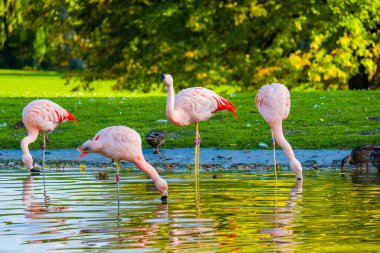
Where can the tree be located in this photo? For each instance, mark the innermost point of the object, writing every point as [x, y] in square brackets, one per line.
[317, 44]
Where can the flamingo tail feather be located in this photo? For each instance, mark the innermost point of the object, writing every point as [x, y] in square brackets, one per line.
[224, 104]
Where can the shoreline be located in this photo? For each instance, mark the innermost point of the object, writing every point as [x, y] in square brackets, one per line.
[183, 157]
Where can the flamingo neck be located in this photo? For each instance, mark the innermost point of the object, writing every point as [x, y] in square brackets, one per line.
[30, 138]
[26, 156]
[278, 134]
[170, 114]
[147, 168]
[280, 139]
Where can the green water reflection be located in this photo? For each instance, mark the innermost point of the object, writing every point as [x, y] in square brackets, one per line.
[236, 212]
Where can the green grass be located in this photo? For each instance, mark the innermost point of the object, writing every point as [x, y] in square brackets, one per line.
[317, 120]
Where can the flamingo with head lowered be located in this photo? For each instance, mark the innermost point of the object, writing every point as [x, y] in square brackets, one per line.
[273, 103]
[44, 116]
[193, 105]
[123, 143]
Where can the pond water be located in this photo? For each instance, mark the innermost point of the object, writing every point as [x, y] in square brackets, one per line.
[240, 211]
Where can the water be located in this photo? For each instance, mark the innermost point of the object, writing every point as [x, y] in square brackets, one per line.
[239, 211]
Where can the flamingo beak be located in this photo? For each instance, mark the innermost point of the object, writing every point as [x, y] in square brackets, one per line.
[162, 77]
[82, 152]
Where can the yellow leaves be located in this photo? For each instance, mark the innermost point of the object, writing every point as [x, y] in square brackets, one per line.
[266, 71]
[299, 60]
[370, 67]
[152, 70]
[318, 40]
[298, 25]
[330, 72]
[192, 54]
[316, 78]
[239, 18]
[376, 50]
[345, 40]
[195, 24]
[189, 67]
[257, 10]
[201, 76]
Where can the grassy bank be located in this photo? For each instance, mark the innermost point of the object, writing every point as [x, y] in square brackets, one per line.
[318, 120]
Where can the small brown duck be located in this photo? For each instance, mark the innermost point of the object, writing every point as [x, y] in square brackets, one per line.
[363, 154]
[155, 138]
[376, 160]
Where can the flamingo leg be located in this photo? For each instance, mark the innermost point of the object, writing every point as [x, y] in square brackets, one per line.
[43, 161]
[118, 188]
[197, 143]
[366, 167]
[274, 158]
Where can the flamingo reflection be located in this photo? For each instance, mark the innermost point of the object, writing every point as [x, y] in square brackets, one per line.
[37, 209]
[283, 218]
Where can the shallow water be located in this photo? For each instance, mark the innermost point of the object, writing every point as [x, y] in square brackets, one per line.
[239, 211]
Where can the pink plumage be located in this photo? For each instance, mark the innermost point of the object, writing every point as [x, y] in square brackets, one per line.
[122, 143]
[273, 103]
[40, 115]
[193, 105]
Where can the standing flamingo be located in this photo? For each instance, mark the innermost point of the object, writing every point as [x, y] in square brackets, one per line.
[40, 115]
[123, 143]
[193, 105]
[273, 103]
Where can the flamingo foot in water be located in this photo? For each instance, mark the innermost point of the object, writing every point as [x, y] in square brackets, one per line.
[164, 199]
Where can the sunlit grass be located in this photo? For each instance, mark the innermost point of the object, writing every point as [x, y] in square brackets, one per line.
[318, 120]
[22, 83]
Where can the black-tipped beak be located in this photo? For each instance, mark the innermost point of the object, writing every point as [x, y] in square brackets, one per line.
[164, 199]
[162, 77]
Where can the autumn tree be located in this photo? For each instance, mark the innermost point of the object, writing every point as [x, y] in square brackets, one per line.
[317, 44]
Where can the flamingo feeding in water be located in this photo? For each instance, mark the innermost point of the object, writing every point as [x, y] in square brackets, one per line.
[273, 103]
[123, 143]
[193, 105]
[44, 116]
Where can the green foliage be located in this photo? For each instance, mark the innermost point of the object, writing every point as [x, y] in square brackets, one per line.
[315, 45]
[319, 45]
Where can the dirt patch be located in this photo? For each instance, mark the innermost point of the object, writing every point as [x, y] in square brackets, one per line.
[372, 132]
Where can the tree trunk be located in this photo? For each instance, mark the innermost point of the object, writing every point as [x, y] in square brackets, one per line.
[359, 81]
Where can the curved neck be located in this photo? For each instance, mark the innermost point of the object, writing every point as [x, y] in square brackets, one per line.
[280, 139]
[30, 138]
[147, 168]
[170, 102]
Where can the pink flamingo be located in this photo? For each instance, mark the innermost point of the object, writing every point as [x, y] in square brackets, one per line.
[273, 103]
[193, 105]
[40, 115]
[123, 143]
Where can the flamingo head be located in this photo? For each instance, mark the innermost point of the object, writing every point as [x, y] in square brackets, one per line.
[296, 167]
[28, 161]
[83, 149]
[161, 186]
[167, 79]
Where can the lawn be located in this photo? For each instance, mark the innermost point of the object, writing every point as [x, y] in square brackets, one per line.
[317, 120]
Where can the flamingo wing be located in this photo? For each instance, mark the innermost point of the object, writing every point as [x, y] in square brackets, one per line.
[118, 143]
[199, 104]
